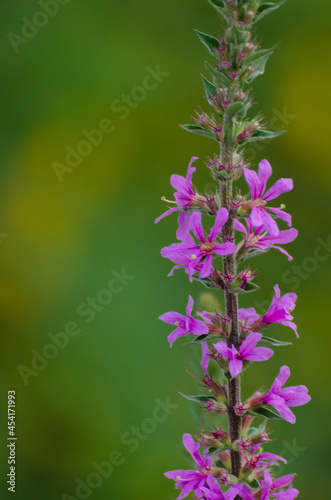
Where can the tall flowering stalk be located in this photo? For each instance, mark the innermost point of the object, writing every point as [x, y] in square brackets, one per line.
[229, 460]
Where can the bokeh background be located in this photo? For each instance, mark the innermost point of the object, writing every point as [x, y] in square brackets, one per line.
[61, 242]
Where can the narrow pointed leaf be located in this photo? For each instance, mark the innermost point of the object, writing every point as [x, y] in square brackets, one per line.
[263, 135]
[275, 342]
[266, 8]
[219, 6]
[263, 411]
[259, 66]
[219, 75]
[205, 338]
[208, 41]
[210, 88]
[198, 399]
[195, 129]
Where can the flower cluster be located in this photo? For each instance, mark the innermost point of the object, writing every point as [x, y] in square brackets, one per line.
[217, 232]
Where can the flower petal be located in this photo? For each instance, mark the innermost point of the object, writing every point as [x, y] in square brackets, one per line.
[226, 248]
[221, 218]
[281, 186]
[205, 357]
[223, 349]
[196, 226]
[253, 182]
[249, 343]
[265, 172]
[235, 366]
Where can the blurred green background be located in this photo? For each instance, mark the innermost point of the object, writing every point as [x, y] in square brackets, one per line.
[61, 242]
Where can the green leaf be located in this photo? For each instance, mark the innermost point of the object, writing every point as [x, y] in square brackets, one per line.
[254, 483]
[263, 411]
[253, 431]
[263, 135]
[275, 342]
[208, 41]
[210, 88]
[250, 287]
[214, 451]
[236, 35]
[259, 65]
[219, 75]
[220, 8]
[205, 338]
[195, 129]
[266, 8]
[198, 399]
[235, 108]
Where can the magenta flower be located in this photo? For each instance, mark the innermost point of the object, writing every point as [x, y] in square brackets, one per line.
[261, 240]
[282, 399]
[184, 324]
[247, 352]
[262, 459]
[269, 487]
[198, 257]
[279, 310]
[193, 480]
[257, 185]
[215, 492]
[186, 194]
[247, 317]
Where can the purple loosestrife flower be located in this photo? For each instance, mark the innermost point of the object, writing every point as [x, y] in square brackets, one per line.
[269, 487]
[261, 459]
[184, 324]
[257, 185]
[186, 194]
[279, 310]
[261, 240]
[282, 399]
[247, 352]
[190, 255]
[215, 492]
[193, 480]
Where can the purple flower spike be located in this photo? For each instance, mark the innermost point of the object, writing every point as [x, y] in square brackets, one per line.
[258, 238]
[279, 310]
[186, 192]
[282, 399]
[247, 352]
[257, 185]
[193, 480]
[269, 487]
[185, 324]
[198, 257]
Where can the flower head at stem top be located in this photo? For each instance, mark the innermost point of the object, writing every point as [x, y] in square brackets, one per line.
[247, 352]
[282, 399]
[199, 256]
[257, 185]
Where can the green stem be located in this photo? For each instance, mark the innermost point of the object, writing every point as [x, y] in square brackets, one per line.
[231, 299]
